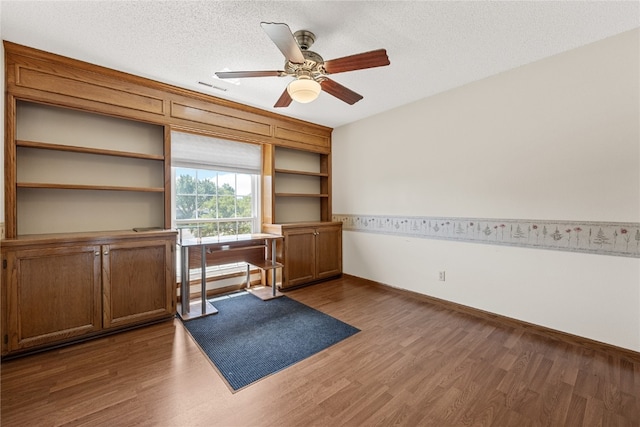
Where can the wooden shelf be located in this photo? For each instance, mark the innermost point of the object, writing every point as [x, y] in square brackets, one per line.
[86, 150]
[297, 185]
[301, 195]
[88, 187]
[296, 172]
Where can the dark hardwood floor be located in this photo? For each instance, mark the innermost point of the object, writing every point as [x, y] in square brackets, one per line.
[414, 363]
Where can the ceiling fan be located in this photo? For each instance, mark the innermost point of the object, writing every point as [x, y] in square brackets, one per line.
[308, 68]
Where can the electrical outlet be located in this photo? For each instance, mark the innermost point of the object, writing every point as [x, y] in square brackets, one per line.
[442, 276]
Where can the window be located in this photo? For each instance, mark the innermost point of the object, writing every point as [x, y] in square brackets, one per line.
[210, 203]
[215, 186]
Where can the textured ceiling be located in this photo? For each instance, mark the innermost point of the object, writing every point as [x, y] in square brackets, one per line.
[433, 46]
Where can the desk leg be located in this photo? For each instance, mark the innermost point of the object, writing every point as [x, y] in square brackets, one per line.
[203, 289]
[184, 281]
[205, 308]
[273, 270]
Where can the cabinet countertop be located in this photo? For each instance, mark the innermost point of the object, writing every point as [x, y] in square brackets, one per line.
[302, 224]
[96, 237]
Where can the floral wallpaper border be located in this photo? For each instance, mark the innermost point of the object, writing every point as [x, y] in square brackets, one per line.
[603, 238]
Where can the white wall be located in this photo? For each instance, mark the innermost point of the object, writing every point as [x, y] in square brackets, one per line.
[2, 133]
[558, 139]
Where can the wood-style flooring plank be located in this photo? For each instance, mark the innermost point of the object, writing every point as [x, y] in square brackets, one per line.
[415, 363]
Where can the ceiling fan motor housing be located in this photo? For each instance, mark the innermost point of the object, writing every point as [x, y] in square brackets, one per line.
[313, 66]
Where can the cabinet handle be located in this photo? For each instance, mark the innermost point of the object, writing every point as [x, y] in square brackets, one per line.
[105, 253]
[97, 253]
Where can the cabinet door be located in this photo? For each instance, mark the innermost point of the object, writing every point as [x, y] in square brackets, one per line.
[299, 250]
[53, 295]
[138, 282]
[328, 251]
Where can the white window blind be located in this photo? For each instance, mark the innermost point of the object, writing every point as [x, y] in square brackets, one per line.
[205, 152]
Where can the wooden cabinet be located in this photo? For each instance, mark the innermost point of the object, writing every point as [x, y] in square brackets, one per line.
[138, 281]
[57, 80]
[297, 205]
[61, 289]
[53, 294]
[328, 250]
[74, 180]
[310, 251]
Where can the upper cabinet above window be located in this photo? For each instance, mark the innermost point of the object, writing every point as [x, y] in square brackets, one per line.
[48, 78]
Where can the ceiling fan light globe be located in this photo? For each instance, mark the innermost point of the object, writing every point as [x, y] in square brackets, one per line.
[304, 90]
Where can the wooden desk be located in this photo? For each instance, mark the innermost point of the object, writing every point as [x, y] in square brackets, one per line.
[251, 248]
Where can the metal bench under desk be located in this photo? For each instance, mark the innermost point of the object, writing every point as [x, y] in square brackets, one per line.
[263, 292]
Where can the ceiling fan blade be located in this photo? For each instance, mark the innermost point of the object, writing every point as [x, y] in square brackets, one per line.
[284, 100]
[240, 74]
[359, 61]
[284, 40]
[340, 92]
